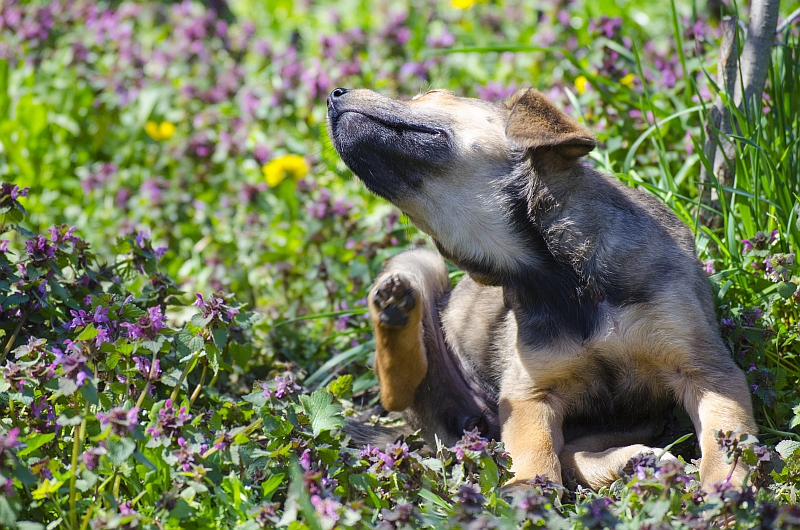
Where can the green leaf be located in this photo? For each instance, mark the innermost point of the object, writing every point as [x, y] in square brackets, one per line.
[220, 336]
[490, 475]
[66, 386]
[62, 293]
[796, 418]
[342, 387]
[749, 456]
[213, 357]
[181, 511]
[119, 450]
[24, 475]
[9, 508]
[786, 289]
[35, 442]
[200, 321]
[132, 312]
[271, 485]
[240, 353]
[191, 341]
[787, 448]
[89, 393]
[88, 333]
[29, 525]
[430, 496]
[154, 345]
[323, 414]
[112, 359]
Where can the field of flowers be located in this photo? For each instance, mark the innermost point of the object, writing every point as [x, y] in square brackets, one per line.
[184, 259]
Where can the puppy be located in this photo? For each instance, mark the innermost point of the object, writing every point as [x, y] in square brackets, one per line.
[584, 312]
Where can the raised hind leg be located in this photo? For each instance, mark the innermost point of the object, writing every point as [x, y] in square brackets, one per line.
[402, 298]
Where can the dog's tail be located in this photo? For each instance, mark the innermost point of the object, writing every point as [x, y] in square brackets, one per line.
[379, 436]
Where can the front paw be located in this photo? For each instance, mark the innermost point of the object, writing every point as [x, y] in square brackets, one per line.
[393, 299]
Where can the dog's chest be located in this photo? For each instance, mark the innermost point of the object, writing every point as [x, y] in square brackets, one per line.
[610, 394]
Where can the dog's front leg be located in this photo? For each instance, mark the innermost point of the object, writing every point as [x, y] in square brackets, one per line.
[717, 399]
[531, 423]
[722, 410]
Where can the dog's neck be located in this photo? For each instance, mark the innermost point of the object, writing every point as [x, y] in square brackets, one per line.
[537, 203]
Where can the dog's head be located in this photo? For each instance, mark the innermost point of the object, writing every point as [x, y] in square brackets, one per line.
[457, 166]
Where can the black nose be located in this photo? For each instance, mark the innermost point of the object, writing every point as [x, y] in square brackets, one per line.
[336, 94]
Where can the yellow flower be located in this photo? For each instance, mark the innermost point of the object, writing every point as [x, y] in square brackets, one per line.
[160, 131]
[292, 166]
[627, 80]
[580, 84]
[462, 4]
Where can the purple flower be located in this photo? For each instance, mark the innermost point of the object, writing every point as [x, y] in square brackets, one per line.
[285, 386]
[759, 241]
[494, 91]
[470, 499]
[119, 419]
[72, 363]
[11, 191]
[147, 326]
[414, 70]
[90, 456]
[143, 366]
[152, 188]
[778, 267]
[168, 422]
[671, 474]
[471, 442]
[185, 454]
[708, 267]
[40, 249]
[599, 512]
[305, 460]
[141, 238]
[9, 440]
[341, 207]
[126, 509]
[326, 507]
[606, 26]
[102, 337]
[222, 440]
[99, 178]
[215, 308]
[79, 318]
[444, 40]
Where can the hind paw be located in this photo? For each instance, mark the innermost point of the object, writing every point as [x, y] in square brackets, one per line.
[394, 299]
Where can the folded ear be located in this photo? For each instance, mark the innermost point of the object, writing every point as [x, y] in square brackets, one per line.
[535, 122]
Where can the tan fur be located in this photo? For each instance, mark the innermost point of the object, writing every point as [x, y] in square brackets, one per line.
[476, 163]
[400, 358]
[600, 468]
[400, 362]
[535, 122]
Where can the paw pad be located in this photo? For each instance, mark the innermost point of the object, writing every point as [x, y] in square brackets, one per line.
[394, 300]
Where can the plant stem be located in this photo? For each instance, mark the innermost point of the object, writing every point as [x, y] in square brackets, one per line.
[13, 337]
[147, 383]
[186, 369]
[199, 385]
[77, 439]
